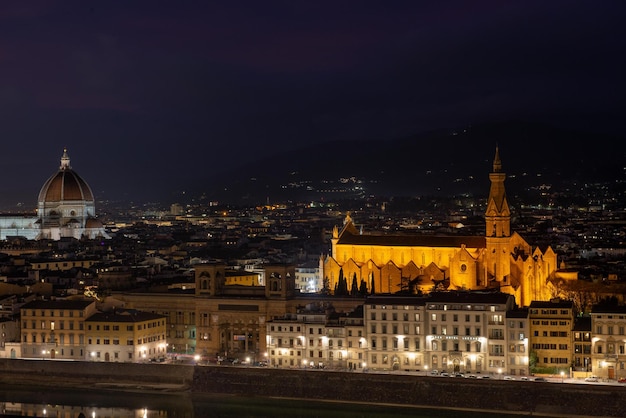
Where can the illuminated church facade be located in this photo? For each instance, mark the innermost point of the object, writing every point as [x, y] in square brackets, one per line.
[65, 209]
[501, 260]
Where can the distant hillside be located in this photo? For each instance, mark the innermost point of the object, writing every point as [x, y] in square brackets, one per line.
[431, 163]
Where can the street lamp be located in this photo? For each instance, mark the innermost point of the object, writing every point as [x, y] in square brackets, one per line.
[562, 375]
[499, 373]
[426, 370]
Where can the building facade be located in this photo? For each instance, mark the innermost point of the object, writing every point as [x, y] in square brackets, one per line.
[551, 327]
[124, 335]
[395, 335]
[55, 329]
[608, 355]
[518, 339]
[500, 260]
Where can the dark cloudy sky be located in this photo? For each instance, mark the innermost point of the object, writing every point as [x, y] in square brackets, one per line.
[149, 95]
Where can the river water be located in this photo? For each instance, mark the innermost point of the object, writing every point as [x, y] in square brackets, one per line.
[47, 402]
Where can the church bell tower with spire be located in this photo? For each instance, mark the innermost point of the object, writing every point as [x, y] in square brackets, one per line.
[497, 228]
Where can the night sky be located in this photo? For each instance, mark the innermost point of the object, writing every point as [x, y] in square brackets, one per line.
[149, 96]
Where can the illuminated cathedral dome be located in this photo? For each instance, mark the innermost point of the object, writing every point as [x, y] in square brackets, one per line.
[66, 206]
[65, 185]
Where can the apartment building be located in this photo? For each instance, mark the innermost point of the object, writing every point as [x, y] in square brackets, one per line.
[518, 333]
[582, 344]
[356, 351]
[466, 331]
[55, 329]
[394, 333]
[298, 340]
[608, 355]
[551, 325]
[126, 335]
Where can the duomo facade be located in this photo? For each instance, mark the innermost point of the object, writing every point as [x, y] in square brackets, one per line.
[500, 260]
[65, 209]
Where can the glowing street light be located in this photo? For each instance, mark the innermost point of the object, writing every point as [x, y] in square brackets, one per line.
[562, 375]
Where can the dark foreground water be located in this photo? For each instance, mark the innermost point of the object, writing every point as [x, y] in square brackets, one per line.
[71, 403]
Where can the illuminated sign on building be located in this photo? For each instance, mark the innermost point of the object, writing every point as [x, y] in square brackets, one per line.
[455, 337]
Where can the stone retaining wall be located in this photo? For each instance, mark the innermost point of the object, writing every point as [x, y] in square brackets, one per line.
[554, 399]
[68, 373]
[525, 397]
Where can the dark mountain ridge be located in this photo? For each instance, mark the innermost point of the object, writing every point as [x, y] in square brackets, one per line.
[444, 162]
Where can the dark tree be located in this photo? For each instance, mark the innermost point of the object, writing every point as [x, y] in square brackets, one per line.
[354, 290]
[342, 286]
[363, 288]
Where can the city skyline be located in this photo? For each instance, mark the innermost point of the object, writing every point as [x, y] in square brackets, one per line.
[148, 99]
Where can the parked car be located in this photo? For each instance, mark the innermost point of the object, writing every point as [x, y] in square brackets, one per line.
[591, 379]
[434, 372]
[539, 379]
[621, 380]
[508, 378]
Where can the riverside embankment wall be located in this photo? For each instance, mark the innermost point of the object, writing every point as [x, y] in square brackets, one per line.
[555, 399]
[69, 373]
[536, 398]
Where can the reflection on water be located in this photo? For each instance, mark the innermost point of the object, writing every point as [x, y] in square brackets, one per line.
[71, 403]
[12, 409]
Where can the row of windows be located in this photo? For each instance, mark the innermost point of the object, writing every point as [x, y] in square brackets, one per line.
[43, 338]
[556, 360]
[44, 325]
[405, 360]
[71, 338]
[116, 355]
[559, 334]
[440, 307]
[455, 317]
[610, 329]
[71, 325]
[51, 313]
[107, 341]
[551, 323]
[610, 348]
[394, 316]
[110, 327]
[550, 346]
[550, 312]
[395, 343]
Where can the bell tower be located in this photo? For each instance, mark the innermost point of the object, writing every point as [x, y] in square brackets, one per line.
[497, 227]
[210, 278]
[280, 281]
